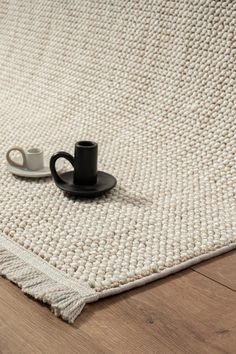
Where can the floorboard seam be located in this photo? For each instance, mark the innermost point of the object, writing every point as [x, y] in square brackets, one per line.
[206, 276]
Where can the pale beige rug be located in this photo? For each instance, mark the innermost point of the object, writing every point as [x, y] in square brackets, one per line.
[154, 83]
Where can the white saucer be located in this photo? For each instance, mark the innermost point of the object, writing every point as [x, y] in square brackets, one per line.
[44, 172]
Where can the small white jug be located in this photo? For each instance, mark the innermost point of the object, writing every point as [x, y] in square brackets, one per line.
[32, 159]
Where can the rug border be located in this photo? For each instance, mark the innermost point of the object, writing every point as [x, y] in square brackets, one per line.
[65, 295]
[37, 278]
[168, 271]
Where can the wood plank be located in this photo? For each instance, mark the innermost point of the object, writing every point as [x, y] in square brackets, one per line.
[185, 313]
[221, 269]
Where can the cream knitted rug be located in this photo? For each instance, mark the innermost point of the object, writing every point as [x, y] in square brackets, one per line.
[154, 83]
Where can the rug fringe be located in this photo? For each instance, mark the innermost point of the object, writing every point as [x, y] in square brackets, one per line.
[64, 302]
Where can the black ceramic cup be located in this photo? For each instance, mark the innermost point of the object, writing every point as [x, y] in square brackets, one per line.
[84, 180]
[84, 163]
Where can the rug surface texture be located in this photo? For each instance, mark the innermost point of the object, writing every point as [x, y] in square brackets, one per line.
[154, 83]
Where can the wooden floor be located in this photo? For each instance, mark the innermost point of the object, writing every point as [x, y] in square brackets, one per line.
[191, 312]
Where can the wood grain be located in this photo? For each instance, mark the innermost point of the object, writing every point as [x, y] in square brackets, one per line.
[184, 313]
[221, 269]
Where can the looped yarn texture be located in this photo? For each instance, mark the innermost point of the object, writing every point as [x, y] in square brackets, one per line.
[153, 82]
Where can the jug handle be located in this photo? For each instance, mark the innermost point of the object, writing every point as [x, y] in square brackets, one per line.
[54, 158]
[13, 163]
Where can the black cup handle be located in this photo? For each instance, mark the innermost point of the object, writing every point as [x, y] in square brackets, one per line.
[53, 160]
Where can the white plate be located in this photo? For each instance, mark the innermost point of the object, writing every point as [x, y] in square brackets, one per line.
[44, 172]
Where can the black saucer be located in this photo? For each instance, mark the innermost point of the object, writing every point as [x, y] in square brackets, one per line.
[105, 182]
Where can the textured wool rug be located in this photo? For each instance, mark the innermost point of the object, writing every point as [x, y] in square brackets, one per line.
[154, 83]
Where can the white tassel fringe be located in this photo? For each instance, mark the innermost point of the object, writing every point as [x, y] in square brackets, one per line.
[64, 302]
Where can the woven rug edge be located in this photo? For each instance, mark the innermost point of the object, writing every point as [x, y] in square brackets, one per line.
[168, 271]
[65, 296]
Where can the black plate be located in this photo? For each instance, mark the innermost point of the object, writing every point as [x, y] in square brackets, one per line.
[105, 182]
